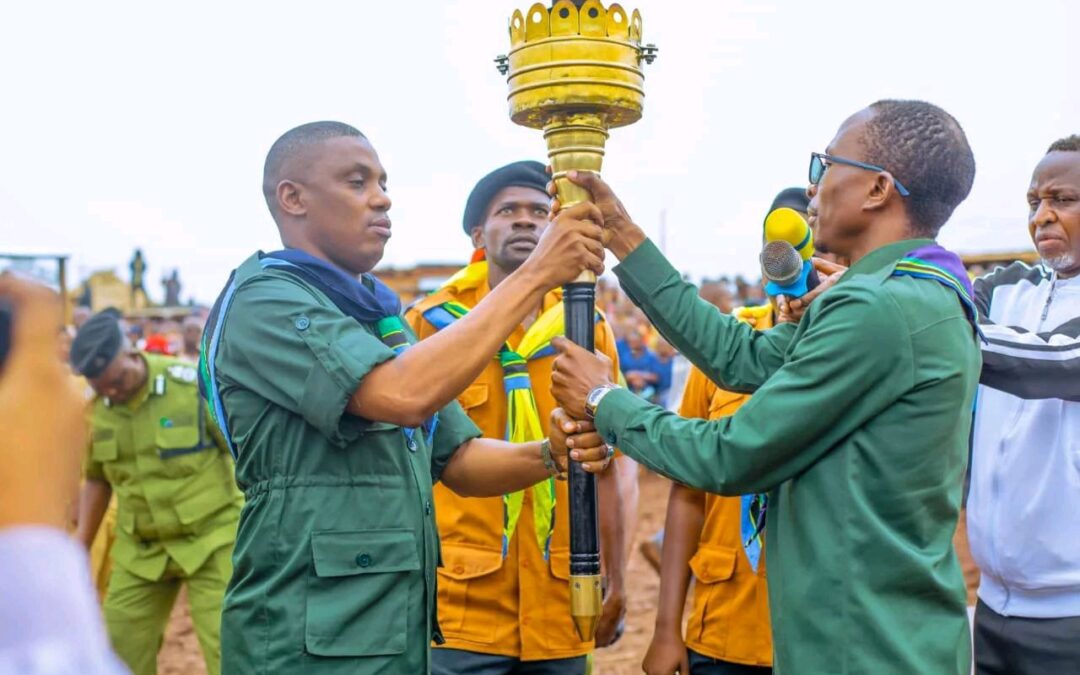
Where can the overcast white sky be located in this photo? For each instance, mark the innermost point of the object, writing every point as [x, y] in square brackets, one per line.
[132, 124]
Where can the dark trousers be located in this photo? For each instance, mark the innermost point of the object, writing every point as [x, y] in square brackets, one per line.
[707, 665]
[460, 662]
[1011, 645]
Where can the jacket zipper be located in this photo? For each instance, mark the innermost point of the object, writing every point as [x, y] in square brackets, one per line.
[997, 473]
[1049, 298]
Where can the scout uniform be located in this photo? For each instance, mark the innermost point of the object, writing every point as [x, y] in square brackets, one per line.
[337, 545]
[503, 586]
[729, 616]
[859, 427]
[177, 509]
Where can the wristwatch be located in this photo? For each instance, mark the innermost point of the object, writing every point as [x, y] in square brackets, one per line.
[592, 401]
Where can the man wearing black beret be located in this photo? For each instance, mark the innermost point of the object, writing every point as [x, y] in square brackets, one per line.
[178, 504]
[504, 601]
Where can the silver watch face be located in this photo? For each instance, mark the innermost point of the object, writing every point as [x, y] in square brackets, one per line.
[594, 397]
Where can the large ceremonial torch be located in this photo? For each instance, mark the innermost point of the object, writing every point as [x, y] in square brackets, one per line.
[575, 72]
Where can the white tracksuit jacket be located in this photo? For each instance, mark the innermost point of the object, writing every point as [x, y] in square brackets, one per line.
[1023, 509]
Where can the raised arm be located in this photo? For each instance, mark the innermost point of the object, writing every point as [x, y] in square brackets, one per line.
[443, 365]
[1023, 363]
[729, 352]
[855, 356]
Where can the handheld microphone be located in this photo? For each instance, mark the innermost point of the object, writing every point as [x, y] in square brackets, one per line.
[786, 259]
[788, 274]
[786, 224]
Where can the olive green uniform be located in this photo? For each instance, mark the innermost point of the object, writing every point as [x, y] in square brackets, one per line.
[337, 546]
[177, 511]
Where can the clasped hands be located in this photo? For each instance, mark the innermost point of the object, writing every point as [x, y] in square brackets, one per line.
[577, 371]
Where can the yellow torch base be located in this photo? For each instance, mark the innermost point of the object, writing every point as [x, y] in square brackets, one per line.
[586, 603]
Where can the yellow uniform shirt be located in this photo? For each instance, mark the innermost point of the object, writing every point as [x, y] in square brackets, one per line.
[730, 615]
[516, 606]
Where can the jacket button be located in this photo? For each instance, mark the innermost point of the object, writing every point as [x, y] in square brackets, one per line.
[412, 445]
[363, 560]
[302, 323]
[458, 569]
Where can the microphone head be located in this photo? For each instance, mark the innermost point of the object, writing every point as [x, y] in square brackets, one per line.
[786, 224]
[781, 263]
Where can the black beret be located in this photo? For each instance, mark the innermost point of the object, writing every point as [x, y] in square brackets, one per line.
[527, 173]
[792, 198]
[97, 343]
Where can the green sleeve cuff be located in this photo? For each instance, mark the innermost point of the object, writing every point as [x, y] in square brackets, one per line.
[455, 428]
[615, 410]
[645, 270]
[345, 358]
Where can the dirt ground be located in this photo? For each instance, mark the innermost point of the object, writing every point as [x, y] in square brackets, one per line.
[180, 654]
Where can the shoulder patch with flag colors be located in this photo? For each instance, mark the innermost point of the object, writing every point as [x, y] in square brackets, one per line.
[945, 267]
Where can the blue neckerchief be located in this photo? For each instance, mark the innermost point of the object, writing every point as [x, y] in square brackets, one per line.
[351, 295]
[369, 305]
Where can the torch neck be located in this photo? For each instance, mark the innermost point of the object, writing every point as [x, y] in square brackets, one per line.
[574, 141]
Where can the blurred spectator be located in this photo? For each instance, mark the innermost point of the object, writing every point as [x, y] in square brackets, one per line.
[191, 331]
[79, 315]
[640, 366]
[719, 294]
[665, 357]
[158, 343]
[135, 331]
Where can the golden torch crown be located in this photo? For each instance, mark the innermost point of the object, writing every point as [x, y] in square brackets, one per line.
[575, 71]
[586, 59]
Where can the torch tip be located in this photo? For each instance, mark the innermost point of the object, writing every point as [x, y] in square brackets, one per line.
[586, 603]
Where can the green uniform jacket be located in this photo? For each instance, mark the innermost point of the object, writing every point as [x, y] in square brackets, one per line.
[858, 426]
[170, 470]
[334, 565]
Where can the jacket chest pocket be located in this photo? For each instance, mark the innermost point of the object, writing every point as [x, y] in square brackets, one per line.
[358, 600]
[180, 448]
[172, 440]
[104, 451]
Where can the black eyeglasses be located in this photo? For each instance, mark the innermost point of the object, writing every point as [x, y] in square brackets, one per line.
[819, 162]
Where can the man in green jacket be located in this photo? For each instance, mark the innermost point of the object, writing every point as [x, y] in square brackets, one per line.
[859, 422]
[154, 446]
[340, 424]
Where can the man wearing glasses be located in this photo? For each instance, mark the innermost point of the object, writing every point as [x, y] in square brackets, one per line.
[859, 422]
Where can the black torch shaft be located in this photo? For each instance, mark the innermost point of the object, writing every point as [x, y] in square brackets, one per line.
[579, 301]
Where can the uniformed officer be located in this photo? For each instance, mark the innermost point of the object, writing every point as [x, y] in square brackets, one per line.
[340, 424]
[153, 445]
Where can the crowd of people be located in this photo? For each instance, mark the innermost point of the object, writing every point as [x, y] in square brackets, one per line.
[346, 486]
